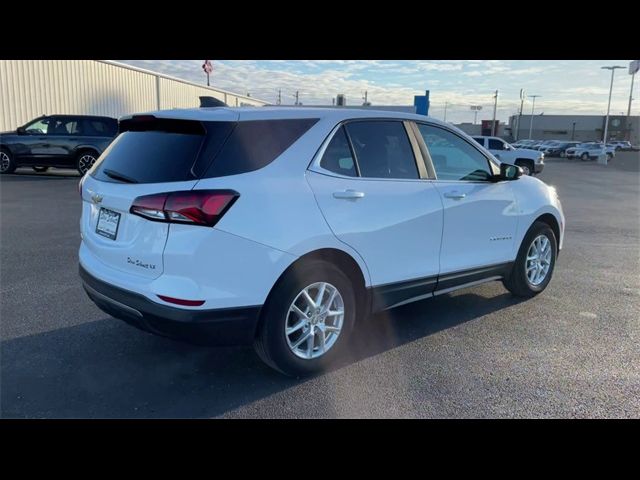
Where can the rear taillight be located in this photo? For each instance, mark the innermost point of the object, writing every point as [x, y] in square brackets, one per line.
[193, 207]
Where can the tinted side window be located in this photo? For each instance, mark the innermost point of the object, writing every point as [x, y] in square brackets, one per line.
[255, 144]
[382, 149]
[99, 127]
[337, 157]
[453, 158]
[495, 144]
[480, 141]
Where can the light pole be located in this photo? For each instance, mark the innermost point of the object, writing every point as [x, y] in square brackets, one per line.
[520, 114]
[533, 106]
[495, 107]
[475, 109]
[613, 68]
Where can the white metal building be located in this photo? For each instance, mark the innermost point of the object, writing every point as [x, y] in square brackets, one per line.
[30, 88]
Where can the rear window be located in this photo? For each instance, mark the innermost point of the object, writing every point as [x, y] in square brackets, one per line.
[152, 150]
[149, 157]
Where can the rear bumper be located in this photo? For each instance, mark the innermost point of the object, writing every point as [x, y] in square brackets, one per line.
[225, 326]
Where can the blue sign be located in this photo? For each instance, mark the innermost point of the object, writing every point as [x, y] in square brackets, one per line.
[421, 102]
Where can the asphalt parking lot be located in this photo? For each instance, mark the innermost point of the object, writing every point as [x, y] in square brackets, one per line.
[573, 351]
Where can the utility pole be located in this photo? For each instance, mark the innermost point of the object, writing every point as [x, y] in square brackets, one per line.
[495, 107]
[279, 102]
[297, 95]
[520, 113]
[445, 111]
[366, 102]
[633, 75]
[533, 106]
[606, 120]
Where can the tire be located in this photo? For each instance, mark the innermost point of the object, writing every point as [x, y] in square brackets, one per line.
[584, 157]
[40, 169]
[85, 160]
[609, 157]
[7, 163]
[526, 165]
[518, 282]
[279, 350]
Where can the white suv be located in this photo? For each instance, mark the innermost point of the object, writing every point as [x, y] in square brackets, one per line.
[286, 227]
[531, 161]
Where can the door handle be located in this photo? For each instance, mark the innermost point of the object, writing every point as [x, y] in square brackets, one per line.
[348, 194]
[455, 195]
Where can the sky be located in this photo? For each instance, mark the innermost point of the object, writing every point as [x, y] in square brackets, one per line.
[566, 87]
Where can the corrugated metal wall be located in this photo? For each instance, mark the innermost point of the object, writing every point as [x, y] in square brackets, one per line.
[29, 88]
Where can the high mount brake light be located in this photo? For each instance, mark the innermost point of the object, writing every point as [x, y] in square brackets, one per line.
[192, 207]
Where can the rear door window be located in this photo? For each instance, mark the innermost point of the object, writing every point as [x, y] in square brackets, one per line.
[337, 157]
[382, 149]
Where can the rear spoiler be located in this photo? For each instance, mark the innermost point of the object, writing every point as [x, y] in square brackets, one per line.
[206, 102]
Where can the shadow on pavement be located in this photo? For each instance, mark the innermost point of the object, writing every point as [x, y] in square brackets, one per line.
[107, 369]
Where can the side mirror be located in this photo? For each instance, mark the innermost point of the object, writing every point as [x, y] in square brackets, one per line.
[510, 172]
[21, 131]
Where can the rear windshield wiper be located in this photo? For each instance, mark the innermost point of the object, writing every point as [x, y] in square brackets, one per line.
[119, 176]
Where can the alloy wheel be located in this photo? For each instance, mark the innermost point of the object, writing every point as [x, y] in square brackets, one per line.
[314, 320]
[85, 163]
[538, 260]
[5, 163]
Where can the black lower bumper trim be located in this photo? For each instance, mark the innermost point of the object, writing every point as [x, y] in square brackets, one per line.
[225, 326]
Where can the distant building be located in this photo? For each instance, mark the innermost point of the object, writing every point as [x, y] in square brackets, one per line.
[484, 128]
[575, 127]
[30, 88]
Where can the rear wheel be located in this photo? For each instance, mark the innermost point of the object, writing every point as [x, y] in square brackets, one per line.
[40, 169]
[526, 165]
[7, 164]
[533, 268]
[85, 161]
[584, 157]
[609, 157]
[306, 319]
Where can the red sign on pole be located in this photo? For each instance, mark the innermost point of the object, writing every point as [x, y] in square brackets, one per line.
[207, 66]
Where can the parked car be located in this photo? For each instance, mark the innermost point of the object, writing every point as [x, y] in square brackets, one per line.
[621, 145]
[559, 149]
[588, 151]
[530, 161]
[522, 143]
[285, 227]
[62, 141]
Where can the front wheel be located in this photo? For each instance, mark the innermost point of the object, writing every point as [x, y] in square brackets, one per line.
[527, 167]
[306, 319]
[533, 268]
[85, 161]
[584, 157]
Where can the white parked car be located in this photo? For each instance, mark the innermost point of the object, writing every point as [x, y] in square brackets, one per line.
[590, 151]
[285, 227]
[530, 161]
